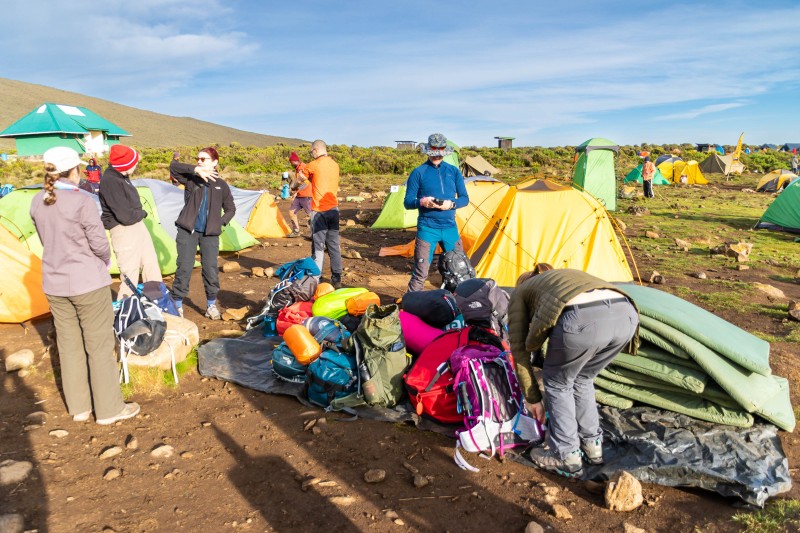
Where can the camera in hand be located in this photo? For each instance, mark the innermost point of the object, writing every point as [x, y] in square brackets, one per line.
[438, 201]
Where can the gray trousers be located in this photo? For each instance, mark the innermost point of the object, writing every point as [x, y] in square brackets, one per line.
[187, 244]
[325, 232]
[423, 256]
[583, 342]
[85, 339]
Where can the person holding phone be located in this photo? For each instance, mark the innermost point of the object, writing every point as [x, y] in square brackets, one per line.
[436, 189]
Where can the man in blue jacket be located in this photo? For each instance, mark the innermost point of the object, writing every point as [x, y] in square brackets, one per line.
[436, 189]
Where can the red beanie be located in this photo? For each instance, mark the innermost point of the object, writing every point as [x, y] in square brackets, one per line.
[294, 157]
[122, 158]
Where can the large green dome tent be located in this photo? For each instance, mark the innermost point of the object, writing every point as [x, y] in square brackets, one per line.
[783, 214]
[594, 170]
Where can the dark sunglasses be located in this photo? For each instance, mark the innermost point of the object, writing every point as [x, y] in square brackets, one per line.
[204, 159]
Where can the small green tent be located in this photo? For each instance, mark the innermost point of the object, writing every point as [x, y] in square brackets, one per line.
[783, 214]
[594, 170]
[394, 215]
[635, 175]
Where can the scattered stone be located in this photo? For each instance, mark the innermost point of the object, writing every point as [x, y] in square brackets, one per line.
[12, 523]
[111, 473]
[549, 499]
[374, 475]
[14, 471]
[699, 275]
[350, 223]
[111, 451]
[794, 310]
[638, 210]
[342, 500]
[187, 455]
[561, 512]
[205, 424]
[248, 292]
[651, 235]
[656, 278]
[269, 272]
[622, 227]
[630, 528]
[322, 421]
[231, 266]
[421, 481]
[316, 430]
[235, 314]
[37, 417]
[258, 272]
[162, 451]
[20, 359]
[683, 245]
[770, 291]
[391, 515]
[741, 267]
[59, 434]
[30, 427]
[365, 195]
[623, 492]
[327, 484]
[309, 424]
[534, 527]
[411, 468]
[351, 254]
[356, 199]
[551, 491]
[380, 194]
[132, 443]
[310, 482]
[399, 522]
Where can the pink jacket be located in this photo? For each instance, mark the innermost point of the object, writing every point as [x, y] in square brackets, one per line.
[75, 247]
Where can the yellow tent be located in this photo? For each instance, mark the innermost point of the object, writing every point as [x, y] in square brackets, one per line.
[21, 295]
[692, 172]
[266, 221]
[775, 181]
[544, 222]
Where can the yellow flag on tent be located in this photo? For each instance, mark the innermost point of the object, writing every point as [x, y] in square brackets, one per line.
[738, 152]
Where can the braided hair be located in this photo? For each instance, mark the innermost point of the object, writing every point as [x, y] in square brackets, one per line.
[50, 177]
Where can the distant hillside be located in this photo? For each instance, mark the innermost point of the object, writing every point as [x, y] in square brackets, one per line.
[148, 129]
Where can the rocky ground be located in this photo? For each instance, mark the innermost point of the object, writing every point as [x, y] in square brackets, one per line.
[209, 455]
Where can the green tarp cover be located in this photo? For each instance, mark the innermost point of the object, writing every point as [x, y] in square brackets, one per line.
[707, 328]
[687, 404]
[677, 375]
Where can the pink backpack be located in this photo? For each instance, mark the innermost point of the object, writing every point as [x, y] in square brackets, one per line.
[491, 401]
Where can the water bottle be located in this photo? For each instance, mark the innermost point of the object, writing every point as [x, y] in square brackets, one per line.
[368, 386]
[269, 326]
[285, 191]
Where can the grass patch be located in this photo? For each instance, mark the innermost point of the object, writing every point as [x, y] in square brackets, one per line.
[777, 516]
[151, 381]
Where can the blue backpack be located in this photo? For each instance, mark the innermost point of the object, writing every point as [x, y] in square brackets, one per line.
[331, 376]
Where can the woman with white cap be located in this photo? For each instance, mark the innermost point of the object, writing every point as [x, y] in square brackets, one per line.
[75, 260]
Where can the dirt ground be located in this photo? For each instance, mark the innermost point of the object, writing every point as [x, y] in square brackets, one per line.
[242, 457]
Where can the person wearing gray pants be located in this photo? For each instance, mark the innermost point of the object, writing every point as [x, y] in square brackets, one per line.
[586, 322]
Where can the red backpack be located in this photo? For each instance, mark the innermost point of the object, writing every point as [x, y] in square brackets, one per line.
[429, 381]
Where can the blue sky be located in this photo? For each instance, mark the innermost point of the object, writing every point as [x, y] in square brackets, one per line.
[370, 73]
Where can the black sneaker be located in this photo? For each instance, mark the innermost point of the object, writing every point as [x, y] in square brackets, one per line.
[336, 281]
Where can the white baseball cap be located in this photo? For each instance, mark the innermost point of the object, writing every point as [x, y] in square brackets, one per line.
[63, 157]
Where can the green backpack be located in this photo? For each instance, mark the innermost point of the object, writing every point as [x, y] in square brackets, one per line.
[381, 358]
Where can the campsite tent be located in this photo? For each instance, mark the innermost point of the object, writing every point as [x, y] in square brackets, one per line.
[776, 180]
[665, 164]
[21, 297]
[508, 230]
[477, 166]
[783, 214]
[258, 213]
[394, 215]
[52, 125]
[691, 170]
[594, 170]
[721, 164]
[635, 175]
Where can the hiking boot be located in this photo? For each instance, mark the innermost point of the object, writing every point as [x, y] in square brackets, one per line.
[129, 411]
[571, 466]
[294, 234]
[82, 417]
[213, 313]
[592, 450]
[336, 280]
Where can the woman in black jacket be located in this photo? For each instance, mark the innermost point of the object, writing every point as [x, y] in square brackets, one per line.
[208, 207]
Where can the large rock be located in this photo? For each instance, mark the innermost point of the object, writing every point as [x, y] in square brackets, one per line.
[14, 471]
[623, 492]
[770, 291]
[12, 523]
[794, 310]
[19, 360]
[181, 337]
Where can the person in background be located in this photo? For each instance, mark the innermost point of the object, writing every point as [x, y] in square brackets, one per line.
[436, 189]
[75, 279]
[208, 207]
[93, 173]
[794, 162]
[123, 217]
[302, 193]
[586, 322]
[176, 156]
[323, 174]
[648, 171]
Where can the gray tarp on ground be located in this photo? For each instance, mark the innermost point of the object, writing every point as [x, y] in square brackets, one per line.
[655, 446]
[678, 451]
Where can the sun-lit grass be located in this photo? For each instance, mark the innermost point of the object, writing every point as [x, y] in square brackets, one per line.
[777, 516]
[145, 381]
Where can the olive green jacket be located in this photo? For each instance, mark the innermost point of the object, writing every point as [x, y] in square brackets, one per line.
[534, 310]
